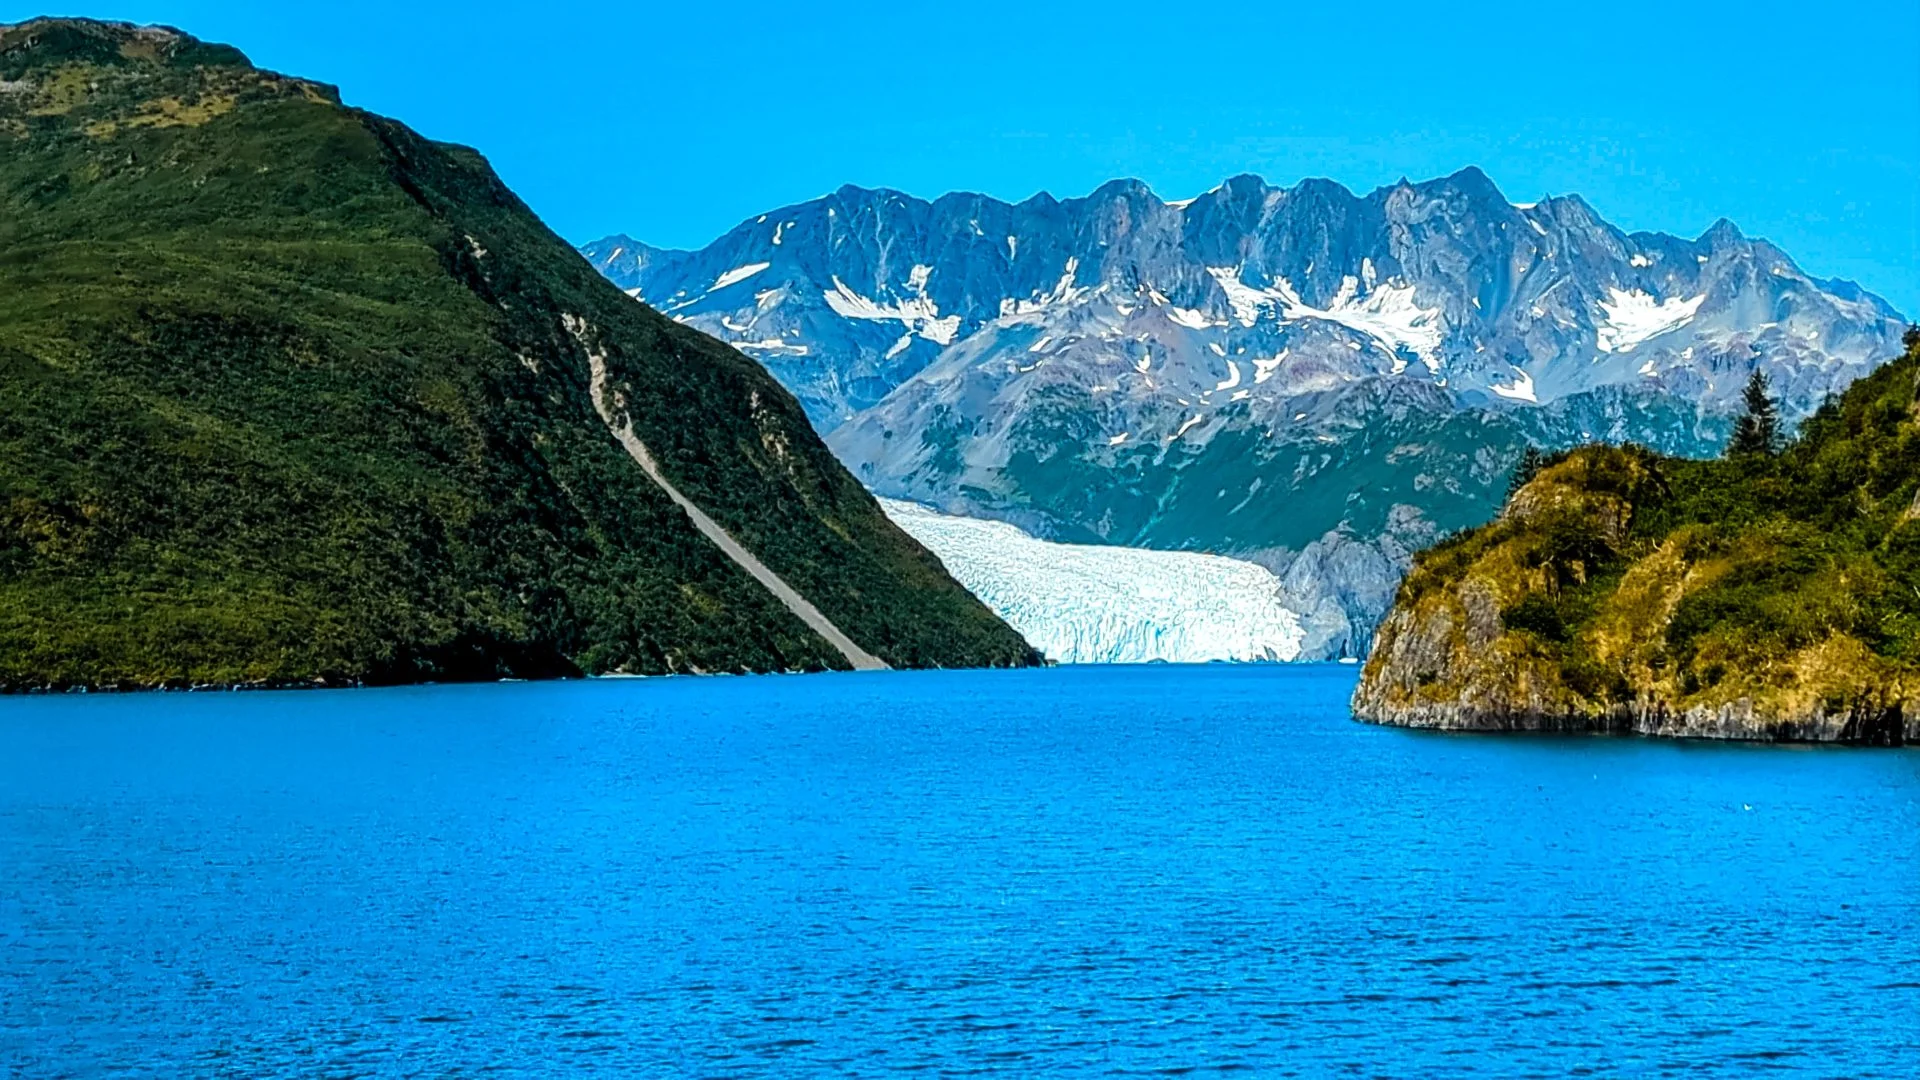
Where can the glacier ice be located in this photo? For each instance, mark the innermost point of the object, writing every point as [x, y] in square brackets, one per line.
[1086, 604]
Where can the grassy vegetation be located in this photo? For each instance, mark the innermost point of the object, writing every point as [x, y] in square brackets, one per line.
[286, 395]
[1785, 577]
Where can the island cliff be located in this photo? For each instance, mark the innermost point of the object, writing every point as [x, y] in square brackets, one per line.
[1770, 595]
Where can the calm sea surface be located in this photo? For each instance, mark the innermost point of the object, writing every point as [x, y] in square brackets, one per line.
[1068, 872]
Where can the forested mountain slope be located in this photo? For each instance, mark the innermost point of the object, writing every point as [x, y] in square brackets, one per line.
[290, 394]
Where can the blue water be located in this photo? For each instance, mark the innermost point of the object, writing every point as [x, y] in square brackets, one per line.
[1066, 872]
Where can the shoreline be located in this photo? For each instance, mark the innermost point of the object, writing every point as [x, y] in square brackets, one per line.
[1889, 730]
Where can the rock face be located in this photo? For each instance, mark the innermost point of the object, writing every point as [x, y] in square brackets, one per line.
[1256, 371]
[1622, 591]
[289, 394]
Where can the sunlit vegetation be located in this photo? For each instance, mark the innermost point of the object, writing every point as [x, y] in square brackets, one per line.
[1785, 573]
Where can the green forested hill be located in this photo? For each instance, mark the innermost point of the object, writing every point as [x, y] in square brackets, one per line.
[1765, 595]
[289, 393]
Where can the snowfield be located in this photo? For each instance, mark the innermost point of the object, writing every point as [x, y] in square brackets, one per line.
[1634, 317]
[1084, 604]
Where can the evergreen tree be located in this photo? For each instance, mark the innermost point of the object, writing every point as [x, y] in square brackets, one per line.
[1911, 339]
[1531, 462]
[1757, 431]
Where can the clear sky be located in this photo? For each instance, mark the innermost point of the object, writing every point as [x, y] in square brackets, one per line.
[673, 122]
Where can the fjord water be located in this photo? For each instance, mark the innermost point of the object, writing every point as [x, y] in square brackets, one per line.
[1069, 871]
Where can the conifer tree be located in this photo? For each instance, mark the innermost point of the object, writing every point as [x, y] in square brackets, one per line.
[1531, 462]
[1757, 431]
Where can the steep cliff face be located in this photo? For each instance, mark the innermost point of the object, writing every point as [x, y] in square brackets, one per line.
[1773, 598]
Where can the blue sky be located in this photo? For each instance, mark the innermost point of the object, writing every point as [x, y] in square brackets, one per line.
[674, 122]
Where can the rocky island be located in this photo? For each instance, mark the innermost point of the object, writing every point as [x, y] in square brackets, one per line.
[1773, 594]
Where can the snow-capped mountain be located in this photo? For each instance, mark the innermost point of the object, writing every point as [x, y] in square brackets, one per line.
[1312, 379]
[1101, 604]
[1445, 281]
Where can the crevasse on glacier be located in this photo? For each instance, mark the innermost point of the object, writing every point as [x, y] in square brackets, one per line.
[1084, 604]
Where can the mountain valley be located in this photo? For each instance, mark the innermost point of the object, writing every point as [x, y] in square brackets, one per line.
[1313, 380]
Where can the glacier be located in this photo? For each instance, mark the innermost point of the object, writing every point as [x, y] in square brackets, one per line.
[1089, 604]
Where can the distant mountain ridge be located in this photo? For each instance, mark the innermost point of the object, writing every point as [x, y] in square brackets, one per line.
[1486, 295]
[1308, 377]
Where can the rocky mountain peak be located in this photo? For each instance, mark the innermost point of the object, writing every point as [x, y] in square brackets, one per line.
[1722, 234]
[1444, 280]
[46, 43]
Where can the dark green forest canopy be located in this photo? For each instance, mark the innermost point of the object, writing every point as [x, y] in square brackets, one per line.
[288, 394]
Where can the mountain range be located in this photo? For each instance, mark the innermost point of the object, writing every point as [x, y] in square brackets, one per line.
[1318, 381]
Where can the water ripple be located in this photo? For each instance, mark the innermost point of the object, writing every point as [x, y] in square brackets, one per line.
[1128, 872]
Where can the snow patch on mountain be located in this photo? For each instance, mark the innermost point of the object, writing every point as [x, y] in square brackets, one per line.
[1385, 312]
[1263, 369]
[1191, 318]
[1520, 389]
[774, 345]
[1633, 316]
[1084, 604]
[1063, 292]
[920, 314]
[737, 274]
